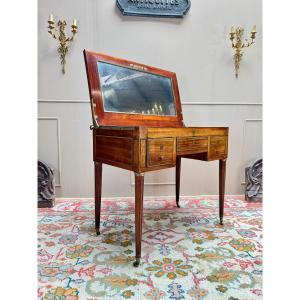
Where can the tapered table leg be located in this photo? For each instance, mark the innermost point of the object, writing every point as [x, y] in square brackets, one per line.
[139, 193]
[222, 174]
[178, 167]
[98, 186]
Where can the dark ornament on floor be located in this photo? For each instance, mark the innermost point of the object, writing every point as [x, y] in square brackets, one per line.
[46, 191]
[254, 181]
[154, 8]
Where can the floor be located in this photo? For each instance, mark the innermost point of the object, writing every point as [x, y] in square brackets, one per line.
[186, 254]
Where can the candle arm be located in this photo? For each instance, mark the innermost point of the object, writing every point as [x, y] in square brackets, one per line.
[70, 39]
[249, 43]
[52, 33]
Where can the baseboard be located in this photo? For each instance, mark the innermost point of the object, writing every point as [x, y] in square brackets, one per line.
[146, 197]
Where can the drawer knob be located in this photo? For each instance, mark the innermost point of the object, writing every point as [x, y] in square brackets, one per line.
[161, 157]
[193, 142]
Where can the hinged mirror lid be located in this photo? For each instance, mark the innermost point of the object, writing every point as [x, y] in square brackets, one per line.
[126, 93]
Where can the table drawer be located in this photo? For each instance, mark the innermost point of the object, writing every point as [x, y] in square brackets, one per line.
[190, 145]
[218, 147]
[161, 152]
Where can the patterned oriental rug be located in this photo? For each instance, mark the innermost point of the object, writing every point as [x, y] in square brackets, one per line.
[186, 253]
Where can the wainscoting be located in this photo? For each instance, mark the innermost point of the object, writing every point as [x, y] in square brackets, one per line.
[65, 142]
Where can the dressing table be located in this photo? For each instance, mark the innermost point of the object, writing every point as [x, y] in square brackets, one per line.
[138, 126]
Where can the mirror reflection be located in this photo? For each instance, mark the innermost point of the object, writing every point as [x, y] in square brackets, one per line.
[130, 91]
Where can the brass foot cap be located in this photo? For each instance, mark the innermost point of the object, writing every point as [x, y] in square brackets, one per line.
[136, 263]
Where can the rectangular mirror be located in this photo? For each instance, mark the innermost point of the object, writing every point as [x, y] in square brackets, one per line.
[130, 91]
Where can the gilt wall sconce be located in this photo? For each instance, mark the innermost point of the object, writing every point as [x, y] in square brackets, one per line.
[238, 44]
[58, 33]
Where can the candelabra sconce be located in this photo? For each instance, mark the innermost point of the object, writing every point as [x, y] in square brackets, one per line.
[237, 43]
[58, 33]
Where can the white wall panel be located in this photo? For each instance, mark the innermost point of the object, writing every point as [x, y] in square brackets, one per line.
[49, 145]
[252, 135]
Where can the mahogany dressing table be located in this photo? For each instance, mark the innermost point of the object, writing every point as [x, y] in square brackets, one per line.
[138, 126]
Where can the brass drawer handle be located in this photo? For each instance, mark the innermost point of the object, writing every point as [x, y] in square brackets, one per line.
[193, 142]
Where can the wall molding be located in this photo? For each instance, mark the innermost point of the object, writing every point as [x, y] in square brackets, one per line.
[182, 103]
[58, 145]
[131, 179]
[244, 134]
[244, 139]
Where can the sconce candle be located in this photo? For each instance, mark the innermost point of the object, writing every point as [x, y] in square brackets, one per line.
[63, 40]
[238, 45]
[253, 32]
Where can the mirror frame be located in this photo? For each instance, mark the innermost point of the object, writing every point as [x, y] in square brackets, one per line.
[104, 118]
